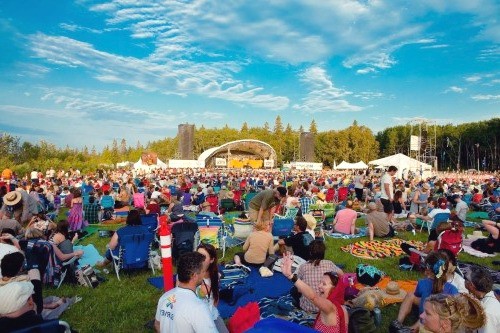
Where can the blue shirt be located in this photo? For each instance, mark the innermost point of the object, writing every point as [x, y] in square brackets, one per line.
[424, 290]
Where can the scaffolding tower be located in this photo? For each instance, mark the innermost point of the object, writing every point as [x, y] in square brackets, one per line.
[423, 137]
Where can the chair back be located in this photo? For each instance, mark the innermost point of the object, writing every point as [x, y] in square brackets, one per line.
[249, 198]
[342, 194]
[438, 219]
[138, 200]
[183, 234]
[210, 230]
[173, 189]
[242, 229]
[282, 227]
[213, 200]
[150, 221]
[227, 204]
[291, 212]
[134, 250]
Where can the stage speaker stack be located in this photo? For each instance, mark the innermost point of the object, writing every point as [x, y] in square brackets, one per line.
[186, 141]
[306, 147]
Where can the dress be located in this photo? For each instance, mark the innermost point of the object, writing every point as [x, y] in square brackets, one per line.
[75, 217]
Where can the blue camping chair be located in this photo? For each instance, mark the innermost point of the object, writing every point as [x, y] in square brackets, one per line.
[212, 230]
[134, 251]
[467, 198]
[438, 219]
[173, 189]
[50, 326]
[282, 227]
[150, 221]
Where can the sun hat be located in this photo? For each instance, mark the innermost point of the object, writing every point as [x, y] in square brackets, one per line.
[426, 186]
[12, 198]
[14, 296]
[321, 196]
[392, 290]
[311, 221]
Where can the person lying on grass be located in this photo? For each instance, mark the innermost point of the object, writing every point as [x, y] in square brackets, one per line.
[332, 316]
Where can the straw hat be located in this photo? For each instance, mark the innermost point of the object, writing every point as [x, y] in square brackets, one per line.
[321, 196]
[392, 290]
[230, 195]
[205, 204]
[426, 186]
[311, 221]
[12, 198]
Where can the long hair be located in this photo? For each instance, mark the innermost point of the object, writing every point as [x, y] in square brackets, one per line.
[437, 264]
[213, 270]
[462, 310]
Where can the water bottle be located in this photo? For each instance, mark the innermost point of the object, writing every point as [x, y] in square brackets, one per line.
[377, 317]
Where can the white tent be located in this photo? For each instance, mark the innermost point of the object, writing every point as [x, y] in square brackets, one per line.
[404, 164]
[346, 165]
[148, 167]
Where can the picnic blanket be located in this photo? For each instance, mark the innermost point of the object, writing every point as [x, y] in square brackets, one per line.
[254, 289]
[478, 215]
[362, 233]
[379, 249]
[90, 255]
[282, 307]
[466, 266]
[473, 252]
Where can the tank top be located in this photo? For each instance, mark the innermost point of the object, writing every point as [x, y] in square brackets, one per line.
[321, 327]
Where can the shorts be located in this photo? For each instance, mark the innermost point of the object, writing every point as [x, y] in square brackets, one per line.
[388, 206]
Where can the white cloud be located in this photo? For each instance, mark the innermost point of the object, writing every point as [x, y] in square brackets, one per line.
[365, 70]
[435, 46]
[486, 97]
[365, 33]
[455, 89]
[173, 76]
[367, 95]
[207, 115]
[473, 78]
[323, 95]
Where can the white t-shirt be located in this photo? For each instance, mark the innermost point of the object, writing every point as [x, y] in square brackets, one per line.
[358, 181]
[491, 308]
[386, 179]
[181, 311]
[461, 209]
[459, 283]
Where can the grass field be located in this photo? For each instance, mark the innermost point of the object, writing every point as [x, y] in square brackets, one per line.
[127, 305]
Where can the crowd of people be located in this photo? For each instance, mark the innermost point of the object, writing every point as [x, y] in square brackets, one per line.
[446, 300]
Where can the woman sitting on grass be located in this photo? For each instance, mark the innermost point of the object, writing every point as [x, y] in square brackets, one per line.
[435, 282]
[332, 316]
[313, 270]
[450, 314]
[133, 227]
[209, 288]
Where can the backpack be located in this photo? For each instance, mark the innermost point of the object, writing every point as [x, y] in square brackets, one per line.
[107, 214]
[361, 320]
[87, 277]
[450, 239]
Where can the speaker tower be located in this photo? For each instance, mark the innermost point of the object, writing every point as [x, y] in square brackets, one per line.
[186, 141]
[306, 147]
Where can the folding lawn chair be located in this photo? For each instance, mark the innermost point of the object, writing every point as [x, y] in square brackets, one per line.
[282, 227]
[150, 221]
[249, 198]
[438, 219]
[50, 326]
[183, 238]
[134, 251]
[211, 230]
[227, 205]
[342, 194]
[290, 213]
[67, 267]
[213, 200]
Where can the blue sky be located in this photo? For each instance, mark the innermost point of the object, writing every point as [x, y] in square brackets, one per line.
[86, 72]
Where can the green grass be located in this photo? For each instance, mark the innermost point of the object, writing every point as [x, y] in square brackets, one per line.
[127, 305]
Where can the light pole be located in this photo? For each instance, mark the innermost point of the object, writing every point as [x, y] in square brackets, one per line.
[477, 147]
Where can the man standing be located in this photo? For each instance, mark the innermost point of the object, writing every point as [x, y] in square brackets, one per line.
[263, 203]
[387, 191]
[180, 310]
[480, 283]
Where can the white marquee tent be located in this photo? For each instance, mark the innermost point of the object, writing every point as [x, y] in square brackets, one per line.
[404, 164]
[139, 165]
[346, 165]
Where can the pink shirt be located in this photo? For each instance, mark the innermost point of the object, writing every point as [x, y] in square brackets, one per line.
[344, 219]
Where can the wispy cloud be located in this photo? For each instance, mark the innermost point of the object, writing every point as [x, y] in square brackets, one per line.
[367, 95]
[174, 76]
[207, 115]
[455, 89]
[323, 95]
[365, 70]
[486, 97]
[435, 46]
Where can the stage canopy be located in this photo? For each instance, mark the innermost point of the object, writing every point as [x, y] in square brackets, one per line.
[404, 164]
[239, 149]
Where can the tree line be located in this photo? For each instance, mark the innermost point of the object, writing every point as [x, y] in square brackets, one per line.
[458, 146]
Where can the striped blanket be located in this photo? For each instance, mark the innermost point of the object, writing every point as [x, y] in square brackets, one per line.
[379, 249]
